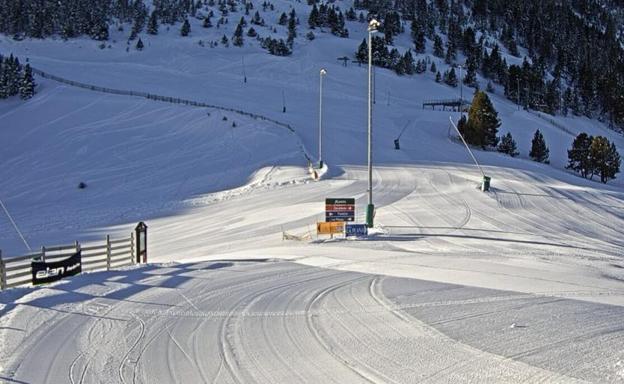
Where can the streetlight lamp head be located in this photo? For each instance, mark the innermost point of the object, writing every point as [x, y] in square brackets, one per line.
[323, 71]
[373, 25]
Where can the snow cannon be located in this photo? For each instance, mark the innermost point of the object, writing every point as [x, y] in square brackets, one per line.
[485, 185]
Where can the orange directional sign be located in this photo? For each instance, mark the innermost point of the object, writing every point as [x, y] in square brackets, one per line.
[331, 228]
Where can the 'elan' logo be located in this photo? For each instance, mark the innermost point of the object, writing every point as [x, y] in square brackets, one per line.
[51, 272]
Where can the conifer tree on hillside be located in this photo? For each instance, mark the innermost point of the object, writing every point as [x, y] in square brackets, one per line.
[13, 67]
[483, 122]
[27, 86]
[237, 38]
[362, 53]
[139, 45]
[578, 155]
[539, 149]
[450, 77]
[604, 158]
[438, 46]
[313, 19]
[152, 24]
[206, 23]
[508, 145]
[186, 28]
[292, 29]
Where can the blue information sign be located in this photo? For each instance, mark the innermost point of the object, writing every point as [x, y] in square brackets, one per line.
[356, 230]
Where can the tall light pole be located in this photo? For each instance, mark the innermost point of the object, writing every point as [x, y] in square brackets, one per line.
[321, 75]
[461, 91]
[370, 209]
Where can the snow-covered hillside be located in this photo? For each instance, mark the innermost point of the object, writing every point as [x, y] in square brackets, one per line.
[212, 189]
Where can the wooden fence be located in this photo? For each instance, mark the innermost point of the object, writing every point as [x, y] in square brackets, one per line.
[111, 254]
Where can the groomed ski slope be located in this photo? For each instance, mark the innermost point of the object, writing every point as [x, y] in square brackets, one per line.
[547, 239]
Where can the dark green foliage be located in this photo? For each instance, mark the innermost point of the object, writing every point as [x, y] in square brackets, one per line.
[152, 24]
[578, 155]
[574, 49]
[237, 38]
[186, 28]
[539, 149]
[27, 86]
[483, 122]
[276, 47]
[16, 79]
[604, 158]
[438, 46]
[292, 28]
[450, 77]
[508, 145]
[283, 20]
[313, 19]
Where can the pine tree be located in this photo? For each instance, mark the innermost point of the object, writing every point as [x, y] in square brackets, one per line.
[251, 32]
[224, 41]
[362, 53]
[539, 150]
[186, 28]
[578, 155]
[139, 45]
[237, 39]
[283, 20]
[292, 30]
[508, 145]
[27, 86]
[313, 19]
[438, 77]
[450, 77]
[438, 46]
[152, 24]
[433, 68]
[206, 23]
[451, 53]
[14, 69]
[483, 122]
[604, 158]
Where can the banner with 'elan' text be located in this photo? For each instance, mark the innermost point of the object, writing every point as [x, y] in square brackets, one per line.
[47, 272]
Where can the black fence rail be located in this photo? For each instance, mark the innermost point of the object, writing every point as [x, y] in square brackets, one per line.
[453, 104]
[169, 99]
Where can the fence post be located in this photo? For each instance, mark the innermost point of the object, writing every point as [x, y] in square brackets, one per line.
[43, 253]
[108, 253]
[132, 247]
[2, 273]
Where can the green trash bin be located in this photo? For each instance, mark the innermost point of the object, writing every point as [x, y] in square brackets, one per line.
[486, 183]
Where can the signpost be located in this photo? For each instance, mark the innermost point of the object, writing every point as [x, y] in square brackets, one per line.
[339, 210]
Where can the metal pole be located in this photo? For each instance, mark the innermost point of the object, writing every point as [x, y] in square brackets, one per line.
[322, 73]
[518, 80]
[244, 73]
[461, 91]
[370, 209]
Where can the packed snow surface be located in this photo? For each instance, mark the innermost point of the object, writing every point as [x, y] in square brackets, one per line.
[523, 283]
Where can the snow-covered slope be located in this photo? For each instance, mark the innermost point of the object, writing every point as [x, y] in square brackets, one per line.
[542, 248]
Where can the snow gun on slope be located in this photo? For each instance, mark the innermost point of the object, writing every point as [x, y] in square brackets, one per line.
[485, 185]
